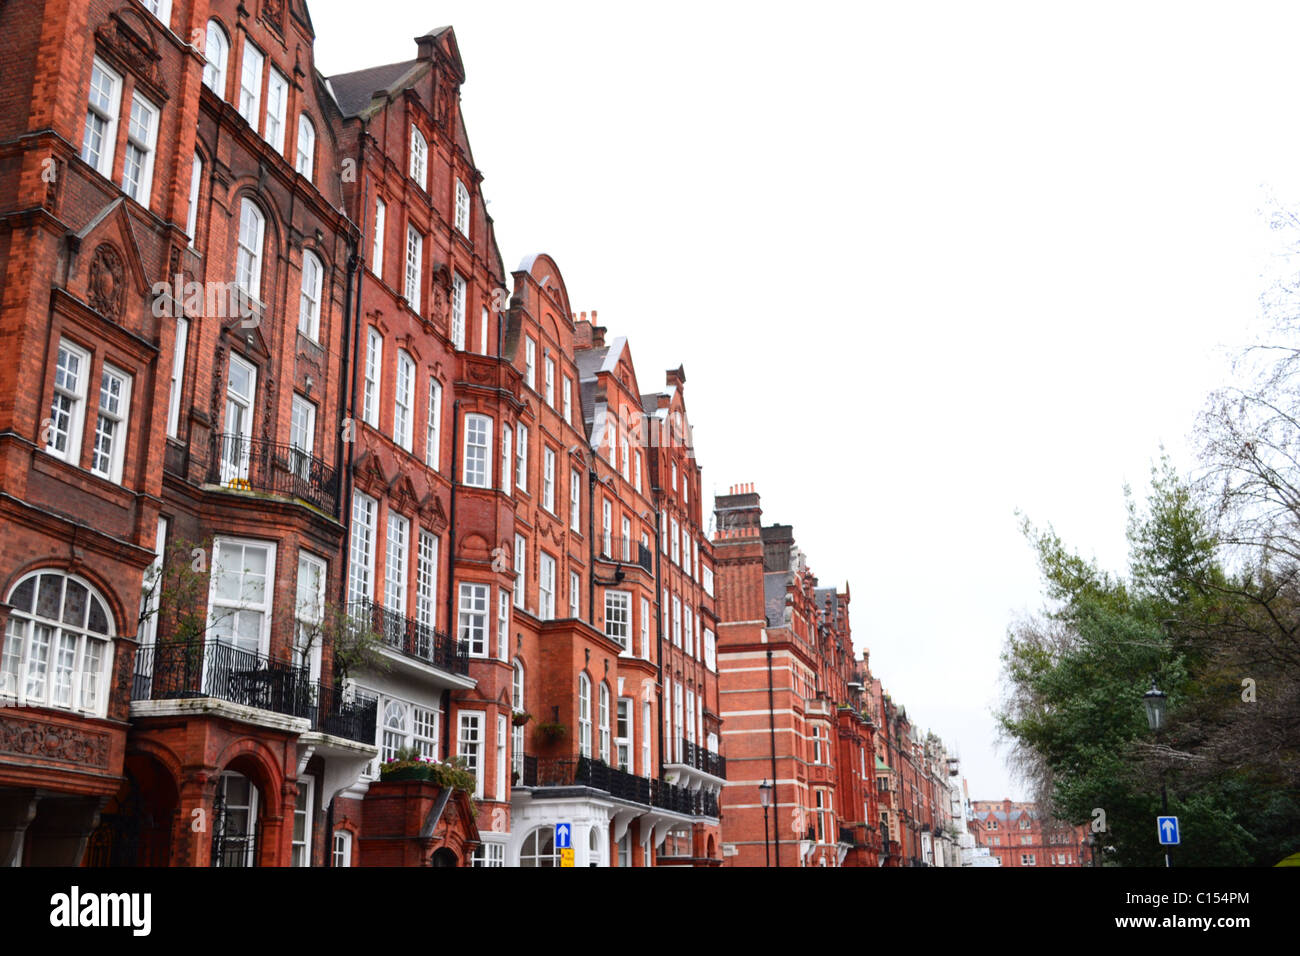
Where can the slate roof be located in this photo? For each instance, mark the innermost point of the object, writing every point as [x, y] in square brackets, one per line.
[354, 91]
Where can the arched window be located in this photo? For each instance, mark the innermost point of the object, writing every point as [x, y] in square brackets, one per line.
[216, 50]
[604, 721]
[395, 729]
[306, 161]
[584, 716]
[58, 648]
[419, 159]
[248, 258]
[309, 304]
[234, 836]
[593, 847]
[539, 848]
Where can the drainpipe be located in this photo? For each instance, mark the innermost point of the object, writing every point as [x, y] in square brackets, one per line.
[659, 617]
[451, 584]
[771, 719]
[354, 320]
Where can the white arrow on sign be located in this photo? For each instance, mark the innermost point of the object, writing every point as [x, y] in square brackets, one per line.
[562, 832]
[1168, 827]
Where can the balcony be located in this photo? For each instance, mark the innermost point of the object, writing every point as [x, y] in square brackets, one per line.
[598, 775]
[223, 672]
[627, 551]
[415, 640]
[247, 464]
[693, 755]
[175, 458]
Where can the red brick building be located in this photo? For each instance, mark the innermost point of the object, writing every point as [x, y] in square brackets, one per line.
[1020, 834]
[794, 700]
[337, 498]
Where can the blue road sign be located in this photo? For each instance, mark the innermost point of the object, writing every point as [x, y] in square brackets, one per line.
[563, 832]
[1167, 830]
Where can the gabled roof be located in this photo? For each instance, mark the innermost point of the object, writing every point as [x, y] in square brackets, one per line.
[355, 91]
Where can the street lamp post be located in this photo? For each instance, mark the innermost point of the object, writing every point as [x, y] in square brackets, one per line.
[765, 798]
[1155, 701]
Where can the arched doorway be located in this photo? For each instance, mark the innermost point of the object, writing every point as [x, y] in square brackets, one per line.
[444, 857]
[236, 817]
[135, 827]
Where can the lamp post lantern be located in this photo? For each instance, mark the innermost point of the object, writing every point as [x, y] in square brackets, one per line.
[1155, 700]
[765, 798]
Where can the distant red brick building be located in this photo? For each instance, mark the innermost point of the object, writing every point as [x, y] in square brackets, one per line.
[1019, 834]
[794, 697]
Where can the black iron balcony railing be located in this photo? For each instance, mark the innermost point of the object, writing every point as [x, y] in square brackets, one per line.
[213, 669]
[598, 775]
[252, 465]
[846, 835]
[693, 755]
[413, 638]
[626, 551]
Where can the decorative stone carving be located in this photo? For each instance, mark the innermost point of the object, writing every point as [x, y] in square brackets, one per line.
[106, 286]
[132, 46]
[33, 738]
[273, 15]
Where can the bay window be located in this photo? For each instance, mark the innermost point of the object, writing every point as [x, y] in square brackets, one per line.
[474, 618]
[58, 649]
[478, 451]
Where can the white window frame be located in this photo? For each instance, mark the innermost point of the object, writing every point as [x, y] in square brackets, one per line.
[173, 402]
[636, 471]
[470, 744]
[710, 650]
[426, 580]
[530, 363]
[521, 566]
[584, 715]
[112, 424]
[433, 426]
[277, 109]
[419, 168]
[241, 605]
[73, 405]
[249, 248]
[300, 849]
[33, 671]
[677, 621]
[503, 624]
[462, 209]
[102, 113]
[361, 564]
[502, 753]
[473, 609]
[575, 595]
[624, 734]
[483, 332]
[404, 402]
[548, 479]
[507, 459]
[250, 84]
[567, 398]
[607, 528]
[645, 628]
[302, 434]
[377, 240]
[141, 149]
[341, 849]
[603, 715]
[371, 387]
[575, 500]
[477, 470]
[414, 260]
[548, 370]
[192, 216]
[521, 456]
[618, 620]
[397, 553]
[309, 303]
[216, 57]
[305, 158]
[545, 587]
[458, 302]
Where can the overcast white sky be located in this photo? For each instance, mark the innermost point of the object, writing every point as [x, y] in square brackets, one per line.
[925, 264]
